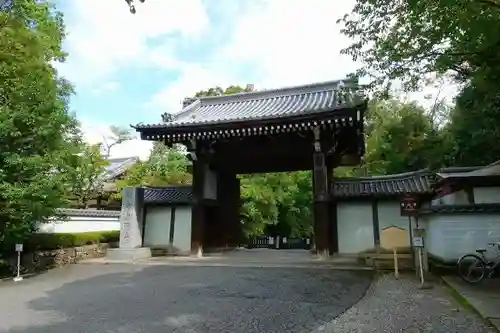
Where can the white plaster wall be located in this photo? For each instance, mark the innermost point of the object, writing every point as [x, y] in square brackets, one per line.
[157, 226]
[455, 198]
[182, 229]
[450, 236]
[483, 195]
[389, 214]
[355, 227]
[210, 185]
[75, 224]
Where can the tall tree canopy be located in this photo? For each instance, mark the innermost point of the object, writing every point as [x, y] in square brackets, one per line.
[412, 41]
[37, 134]
[400, 39]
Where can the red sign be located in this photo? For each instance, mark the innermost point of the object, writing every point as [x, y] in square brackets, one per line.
[409, 206]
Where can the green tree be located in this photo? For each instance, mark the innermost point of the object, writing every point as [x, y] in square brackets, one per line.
[400, 137]
[37, 135]
[406, 40]
[474, 127]
[88, 175]
[165, 166]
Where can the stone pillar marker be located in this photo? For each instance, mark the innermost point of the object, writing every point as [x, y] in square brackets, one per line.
[131, 218]
[131, 225]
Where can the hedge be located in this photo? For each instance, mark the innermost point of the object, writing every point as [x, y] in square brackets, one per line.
[54, 241]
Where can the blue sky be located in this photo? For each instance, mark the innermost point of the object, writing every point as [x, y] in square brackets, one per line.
[132, 68]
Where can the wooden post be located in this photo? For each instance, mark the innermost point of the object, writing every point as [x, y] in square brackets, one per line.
[322, 205]
[396, 268]
[198, 210]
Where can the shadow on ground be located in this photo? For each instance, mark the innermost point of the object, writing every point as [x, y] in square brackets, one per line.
[190, 299]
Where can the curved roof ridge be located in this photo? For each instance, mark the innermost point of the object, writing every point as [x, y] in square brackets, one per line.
[276, 92]
[187, 109]
[382, 177]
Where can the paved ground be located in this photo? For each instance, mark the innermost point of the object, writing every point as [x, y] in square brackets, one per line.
[400, 306]
[164, 298]
[232, 294]
[484, 297]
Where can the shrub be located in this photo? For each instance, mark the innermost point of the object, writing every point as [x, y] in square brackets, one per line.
[54, 241]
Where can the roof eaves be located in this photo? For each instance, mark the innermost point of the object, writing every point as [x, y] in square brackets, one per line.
[235, 121]
[87, 212]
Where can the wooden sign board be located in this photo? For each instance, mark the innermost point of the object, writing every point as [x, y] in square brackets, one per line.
[409, 206]
[393, 237]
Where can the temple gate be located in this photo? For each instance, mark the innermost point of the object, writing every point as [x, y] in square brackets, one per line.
[312, 127]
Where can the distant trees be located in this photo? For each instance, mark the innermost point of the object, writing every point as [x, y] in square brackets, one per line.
[413, 41]
[87, 179]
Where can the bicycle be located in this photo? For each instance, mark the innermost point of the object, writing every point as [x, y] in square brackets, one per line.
[479, 265]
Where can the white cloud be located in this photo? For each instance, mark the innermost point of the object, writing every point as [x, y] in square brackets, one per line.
[293, 42]
[273, 43]
[95, 132]
[281, 43]
[192, 78]
[104, 36]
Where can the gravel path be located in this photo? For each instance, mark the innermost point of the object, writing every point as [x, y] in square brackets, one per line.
[124, 298]
[393, 305]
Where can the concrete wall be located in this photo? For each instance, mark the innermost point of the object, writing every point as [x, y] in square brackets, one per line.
[484, 195]
[158, 224]
[389, 214]
[455, 198]
[355, 227]
[81, 223]
[182, 231]
[450, 236]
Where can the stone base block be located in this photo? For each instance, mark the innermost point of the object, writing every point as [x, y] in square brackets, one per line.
[129, 254]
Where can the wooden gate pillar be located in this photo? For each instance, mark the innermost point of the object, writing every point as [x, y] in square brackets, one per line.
[321, 205]
[235, 235]
[325, 212]
[198, 217]
[334, 233]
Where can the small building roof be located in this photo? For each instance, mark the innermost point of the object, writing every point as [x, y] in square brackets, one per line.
[117, 166]
[472, 174]
[265, 104]
[417, 182]
[175, 194]
[87, 212]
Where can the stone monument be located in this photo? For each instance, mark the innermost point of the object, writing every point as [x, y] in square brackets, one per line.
[131, 227]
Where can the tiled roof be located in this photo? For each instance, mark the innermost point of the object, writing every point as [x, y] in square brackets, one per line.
[266, 104]
[462, 209]
[88, 212]
[117, 166]
[179, 194]
[417, 182]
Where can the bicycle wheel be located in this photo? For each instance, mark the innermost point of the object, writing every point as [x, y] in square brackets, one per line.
[471, 268]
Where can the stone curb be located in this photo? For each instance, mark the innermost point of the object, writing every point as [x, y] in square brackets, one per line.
[212, 264]
[24, 276]
[451, 285]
